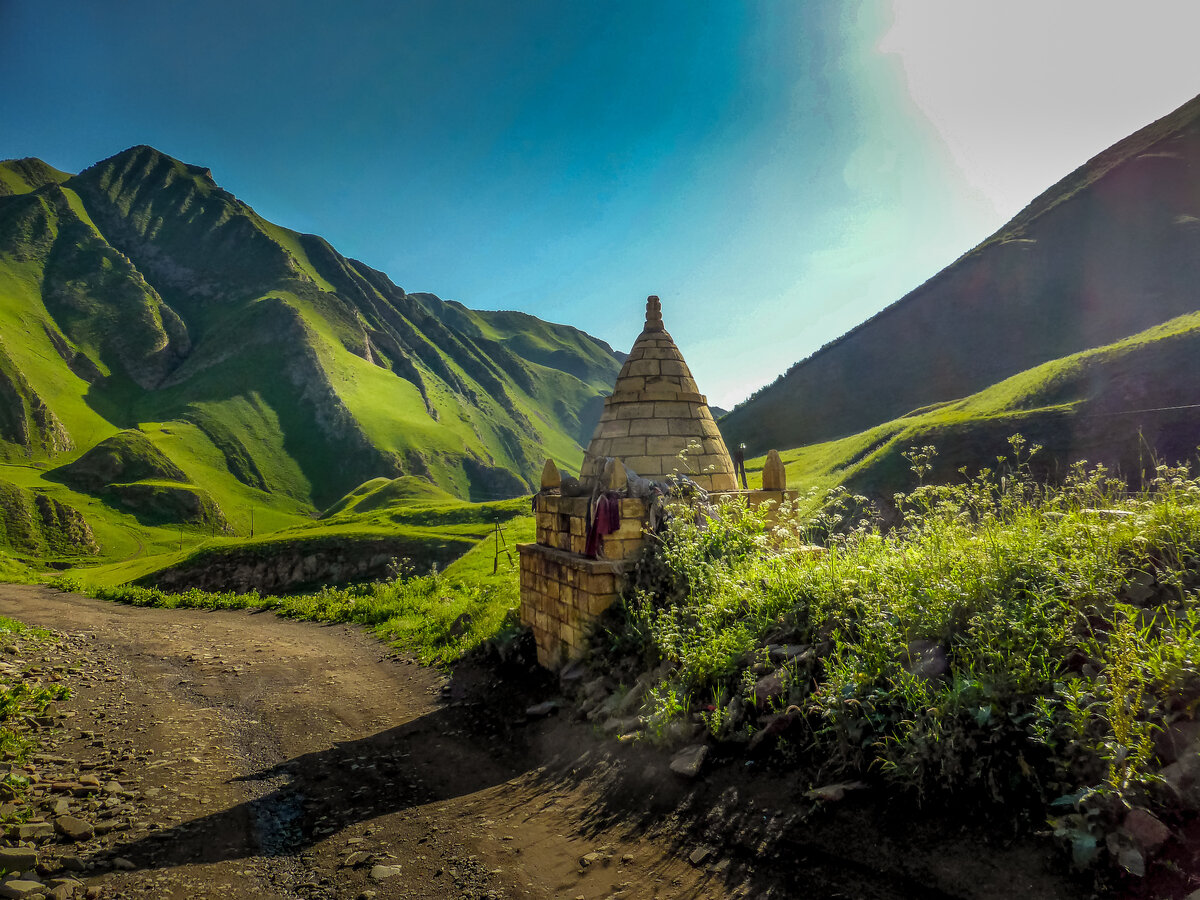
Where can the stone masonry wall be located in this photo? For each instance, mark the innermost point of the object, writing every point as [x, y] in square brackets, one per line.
[561, 589]
[562, 524]
[560, 594]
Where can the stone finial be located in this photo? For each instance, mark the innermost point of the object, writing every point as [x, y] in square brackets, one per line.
[774, 477]
[615, 476]
[551, 477]
[654, 320]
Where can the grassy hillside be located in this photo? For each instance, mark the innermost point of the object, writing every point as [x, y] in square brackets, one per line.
[379, 534]
[268, 374]
[1127, 405]
[1109, 251]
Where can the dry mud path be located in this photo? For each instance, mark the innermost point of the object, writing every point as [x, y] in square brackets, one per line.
[269, 758]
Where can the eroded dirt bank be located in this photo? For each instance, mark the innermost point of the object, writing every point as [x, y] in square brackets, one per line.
[259, 757]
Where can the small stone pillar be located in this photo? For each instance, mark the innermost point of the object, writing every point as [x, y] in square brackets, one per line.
[774, 477]
[551, 477]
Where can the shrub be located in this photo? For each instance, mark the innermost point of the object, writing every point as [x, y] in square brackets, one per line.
[1003, 639]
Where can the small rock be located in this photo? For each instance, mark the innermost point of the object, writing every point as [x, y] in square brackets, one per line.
[681, 731]
[1177, 740]
[831, 793]
[382, 873]
[1140, 589]
[35, 831]
[122, 863]
[357, 858]
[90, 781]
[541, 710]
[17, 859]
[572, 674]
[20, 887]
[74, 829]
[689, 761]
[588, 858]
[1132, 861]
[632, 701]
[699, 855]
[785, 653]
[596, 689]
[768, 688]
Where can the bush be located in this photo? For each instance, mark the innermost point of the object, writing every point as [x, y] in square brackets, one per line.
[1006, 640]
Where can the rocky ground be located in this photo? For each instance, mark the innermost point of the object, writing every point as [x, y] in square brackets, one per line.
[235, 754]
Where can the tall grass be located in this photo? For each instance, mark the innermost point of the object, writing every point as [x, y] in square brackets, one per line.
[434, 617]
[1007, 640]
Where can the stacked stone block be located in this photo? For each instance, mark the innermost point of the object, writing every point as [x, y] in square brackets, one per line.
[561, 589]
[560, 594]
[562, 524]
[656, 411]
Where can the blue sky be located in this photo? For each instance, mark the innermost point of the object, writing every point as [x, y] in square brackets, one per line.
[775, 171]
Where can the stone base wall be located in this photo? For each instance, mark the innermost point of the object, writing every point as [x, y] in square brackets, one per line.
[562, 524]
[561, 592]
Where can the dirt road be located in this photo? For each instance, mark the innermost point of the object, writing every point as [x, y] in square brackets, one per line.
[252, 756]
[272, 758]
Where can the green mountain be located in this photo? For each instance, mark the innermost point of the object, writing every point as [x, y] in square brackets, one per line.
[1126, 406]
[1109, 251]
[167, 354]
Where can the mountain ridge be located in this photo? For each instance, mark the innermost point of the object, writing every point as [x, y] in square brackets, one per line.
[1060, 277]
[139, 294]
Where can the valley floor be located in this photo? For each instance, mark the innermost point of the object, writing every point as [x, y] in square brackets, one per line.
[298, 760]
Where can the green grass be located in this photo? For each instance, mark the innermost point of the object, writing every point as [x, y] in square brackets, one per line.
[14, 571]
[1007, 643]
[441, 530]
[21, 696]
[1076, 407]
[436, 618]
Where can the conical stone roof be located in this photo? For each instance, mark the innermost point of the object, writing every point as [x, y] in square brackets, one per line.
[655, 412]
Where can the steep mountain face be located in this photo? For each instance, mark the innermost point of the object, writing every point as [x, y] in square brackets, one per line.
[139, 294]
[1109, 251]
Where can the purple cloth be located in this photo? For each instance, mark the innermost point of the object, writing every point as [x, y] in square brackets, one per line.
[606, 520]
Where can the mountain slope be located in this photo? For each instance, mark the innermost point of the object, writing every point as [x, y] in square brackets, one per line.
[138, 295]
[1126, 405]
[1110, 250]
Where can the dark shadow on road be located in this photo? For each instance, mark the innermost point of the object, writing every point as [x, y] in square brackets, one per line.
[448, 753]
